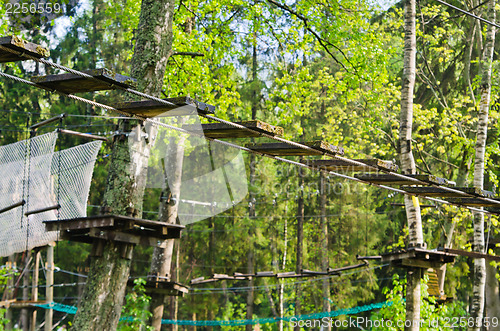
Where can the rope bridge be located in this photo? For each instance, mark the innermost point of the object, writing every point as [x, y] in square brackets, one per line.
[315, 316]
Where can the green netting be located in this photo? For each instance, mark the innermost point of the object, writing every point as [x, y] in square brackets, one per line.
[316, 316]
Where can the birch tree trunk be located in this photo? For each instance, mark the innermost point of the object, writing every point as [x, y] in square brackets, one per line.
[325, 263]
[412, 206]
[479, 282]
[100, 306]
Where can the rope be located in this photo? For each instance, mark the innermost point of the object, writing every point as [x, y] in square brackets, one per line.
[349, 311]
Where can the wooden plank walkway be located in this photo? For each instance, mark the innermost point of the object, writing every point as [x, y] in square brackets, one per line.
[222, 130]
[17, 44]
[474, 202]
[440, 192]
[344, 166]
[70, 83]
[181, 106]
[386, 179]
[284, 149]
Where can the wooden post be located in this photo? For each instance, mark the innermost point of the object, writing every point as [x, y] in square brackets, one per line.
[34, 291]
[49, 290]
[10, 293]
[24, 320]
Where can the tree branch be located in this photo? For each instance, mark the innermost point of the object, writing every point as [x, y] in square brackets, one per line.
[321, 41]
[192, 54]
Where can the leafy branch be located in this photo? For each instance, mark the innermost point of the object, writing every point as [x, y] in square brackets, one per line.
[321, 41]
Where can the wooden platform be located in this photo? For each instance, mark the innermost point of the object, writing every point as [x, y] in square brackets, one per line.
[419, 258]
[439, 192]
[116, 228]
[284, 149]
[372, 165]
[162, 286]
[181, 106]
[17, 44]
[221, 130]
[475, 202]
[385, 179]
[70, 83]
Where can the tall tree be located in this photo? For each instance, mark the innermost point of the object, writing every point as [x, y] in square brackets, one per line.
[100, 307]
[479, 282]
[408, 162]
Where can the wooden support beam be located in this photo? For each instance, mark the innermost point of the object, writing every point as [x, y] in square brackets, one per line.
[474, 202]
[49, 290]
[23, 304]
[82, 135]
[372, 165]
[474, 255]
[159, 285]
[439, 192]
[47, 121]
[386, 179]
[19, 45]
[181, 106]
[42, 210]
[71, 83]
[34, 290]
[222, 130]
[15, 205]
[284, 149]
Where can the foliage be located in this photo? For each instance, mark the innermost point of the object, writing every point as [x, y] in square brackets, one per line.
[433, 316]
[135, 311]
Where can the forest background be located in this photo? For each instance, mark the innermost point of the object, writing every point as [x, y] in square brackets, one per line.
[321, 70]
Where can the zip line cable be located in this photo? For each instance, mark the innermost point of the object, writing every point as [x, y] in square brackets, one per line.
[272, 156]
[238, 126]
[469, 13]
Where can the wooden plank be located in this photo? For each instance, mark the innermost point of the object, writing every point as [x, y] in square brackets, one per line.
[150, 233]
[70, 83]
[386, 179]
[440, 192]
[80, 223]
[420, 254]
[222, 130]
[114, 236]
[17, 44]
[22, 304]
[181, 106]
[163, 287]
[415, 263]
[474, 202]
[476, 255]
[284, 149]
[340, 165]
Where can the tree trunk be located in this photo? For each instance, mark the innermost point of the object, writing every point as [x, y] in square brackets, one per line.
[325, 262]
[251, 211]
[250, 253]
[477, 307]
[100, 307]
[412, 206]
[300, 239]
[492, 295]
[162, 257]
